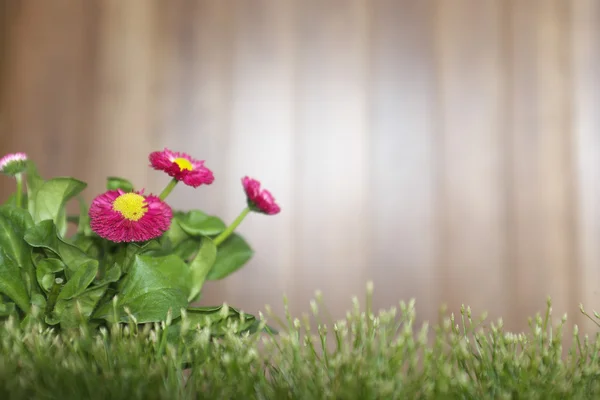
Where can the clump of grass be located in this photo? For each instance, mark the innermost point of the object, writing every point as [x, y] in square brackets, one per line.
[364, 356]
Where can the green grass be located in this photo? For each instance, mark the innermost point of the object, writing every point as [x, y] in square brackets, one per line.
[364, 356]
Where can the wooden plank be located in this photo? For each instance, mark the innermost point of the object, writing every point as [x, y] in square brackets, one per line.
[195, 81]
[585, 25]
[541, 174]
[7, 186]
[47, 75]
[471, 172]
[332, 215]
[260, 144]
[486, 194]
[402, 134]
[124, 133]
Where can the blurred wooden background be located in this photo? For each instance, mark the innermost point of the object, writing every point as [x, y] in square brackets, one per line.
[448, 150]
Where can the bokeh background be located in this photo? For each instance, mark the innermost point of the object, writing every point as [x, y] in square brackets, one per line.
[448, 150]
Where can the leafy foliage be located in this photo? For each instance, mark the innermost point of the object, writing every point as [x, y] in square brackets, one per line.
[84, 278]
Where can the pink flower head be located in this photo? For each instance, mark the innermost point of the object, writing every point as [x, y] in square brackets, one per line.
[181, 167]
[13, 164]
[259, 200]
[129, 216]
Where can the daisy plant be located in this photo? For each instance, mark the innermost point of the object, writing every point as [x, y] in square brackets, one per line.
[129, 258]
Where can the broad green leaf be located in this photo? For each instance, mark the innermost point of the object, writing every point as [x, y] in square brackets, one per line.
[45, 270]
[38, 300]
[197, 223]
[232, 254]
[174, 236]
[14, 223]
[34, 183]
[80, 280]
[44, 235]
[114, 183]
[51, 198]
[83, 224]
[176, 241]
[12, 283]
[70, 313]
[201, 265]
[12, 200]
[17, 275]
[152, 286]
[186, 249]
[123, 254]
[127, 251]
[90, 245]
[112, 274]
[150, 245]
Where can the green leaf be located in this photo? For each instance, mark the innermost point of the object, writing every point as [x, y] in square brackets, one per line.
[232, 254]
[7, 309]
[51, 198]
[83, 225]
[80, 280]
[71, 313]
[90, 245]
[12, 199]
[14, 222]
[34, 183]
[17, 276]
[112, 274]
[44, 235]
[201, 265]
[52, 319]
[45, 270]
[114, 183]
[39, 301]
[152, 286]
[174, 236]
[126, 254]
[197, 223]
[186, 249]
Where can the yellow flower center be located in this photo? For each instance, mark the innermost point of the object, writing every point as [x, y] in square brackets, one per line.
[132, 206]
[183, 164]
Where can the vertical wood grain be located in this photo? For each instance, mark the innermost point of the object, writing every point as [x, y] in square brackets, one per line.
[5, 41]
[542, 169]
[47, 81]
[195, 81]
[332, 214]
[471, 206]
[585, 40]
[124, 118]
[261, 146]
[557, 200]
[447, 150]
[402, 136]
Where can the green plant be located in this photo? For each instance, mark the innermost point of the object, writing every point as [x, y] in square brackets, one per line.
[131, 258]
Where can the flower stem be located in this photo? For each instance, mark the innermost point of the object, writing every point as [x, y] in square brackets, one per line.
[19, 198]
[53, 296]
[225, 234]
[168, 189]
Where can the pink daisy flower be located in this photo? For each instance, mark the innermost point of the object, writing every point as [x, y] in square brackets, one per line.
[259, 200]
[129, 216]
[13, 164]
[182, 167]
